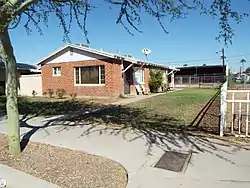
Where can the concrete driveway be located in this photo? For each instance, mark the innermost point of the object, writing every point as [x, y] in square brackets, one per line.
[213, 163]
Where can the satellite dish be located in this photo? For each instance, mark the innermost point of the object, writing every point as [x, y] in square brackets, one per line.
[171, 67]
[146, 51]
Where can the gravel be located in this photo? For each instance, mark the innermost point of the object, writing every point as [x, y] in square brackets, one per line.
[65, 167]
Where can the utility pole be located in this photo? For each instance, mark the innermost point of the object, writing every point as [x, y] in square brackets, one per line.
[223, 58]
[243, 67]
[243, 61]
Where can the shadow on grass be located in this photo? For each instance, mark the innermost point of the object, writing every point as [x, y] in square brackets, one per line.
[208, 119]
[163, 132]
[48, 107]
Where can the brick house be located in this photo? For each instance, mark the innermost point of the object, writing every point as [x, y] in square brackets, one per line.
[89, 72]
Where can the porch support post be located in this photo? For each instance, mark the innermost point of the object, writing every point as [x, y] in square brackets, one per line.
[172, 80]
[128, 67]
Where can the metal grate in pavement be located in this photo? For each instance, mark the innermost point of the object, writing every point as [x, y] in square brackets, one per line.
[174, 161]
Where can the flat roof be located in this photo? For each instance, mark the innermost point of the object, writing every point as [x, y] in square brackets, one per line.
[202, 66]
[20, 66]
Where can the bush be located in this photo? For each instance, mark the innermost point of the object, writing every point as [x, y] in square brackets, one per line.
[34, 93]
[73, 95]
[156, 79]
[50, 92]
[60, 93]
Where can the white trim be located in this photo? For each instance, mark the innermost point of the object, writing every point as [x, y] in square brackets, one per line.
[74, 76]
[101, 53]
[89, 85]
[127, 67]
[99, 72]
[58, 73]
[142, 76]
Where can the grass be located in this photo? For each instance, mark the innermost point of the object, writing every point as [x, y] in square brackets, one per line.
[170, 111]
[41, 106]
[183, 105]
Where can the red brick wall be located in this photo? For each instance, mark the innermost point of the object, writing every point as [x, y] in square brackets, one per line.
[146, 77]
[113, 78]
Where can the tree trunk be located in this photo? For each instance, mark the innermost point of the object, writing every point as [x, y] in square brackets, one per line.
[7, 55]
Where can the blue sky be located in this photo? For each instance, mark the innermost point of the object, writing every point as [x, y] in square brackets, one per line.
[192, 38]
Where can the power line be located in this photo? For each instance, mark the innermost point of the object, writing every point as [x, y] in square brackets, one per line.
[191, 61]
[240, 55]
[205, 60]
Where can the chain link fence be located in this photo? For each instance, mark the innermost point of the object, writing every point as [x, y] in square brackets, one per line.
[210, 81]
[239, 81]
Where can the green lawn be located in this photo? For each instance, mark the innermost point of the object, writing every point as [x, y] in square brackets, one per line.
[169, 111]
[182, 105]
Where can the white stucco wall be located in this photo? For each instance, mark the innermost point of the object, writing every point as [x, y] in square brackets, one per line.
[28, 83]
[76, 55]
[165, 81]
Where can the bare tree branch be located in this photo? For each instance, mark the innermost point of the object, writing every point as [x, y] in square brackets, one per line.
[24, 6]
[129, 15]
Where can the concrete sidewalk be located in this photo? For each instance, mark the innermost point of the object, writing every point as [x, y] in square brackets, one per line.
[213, 164]
[17, 179]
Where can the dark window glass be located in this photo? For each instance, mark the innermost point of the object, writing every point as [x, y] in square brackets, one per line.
[77, 75]
[90, 75]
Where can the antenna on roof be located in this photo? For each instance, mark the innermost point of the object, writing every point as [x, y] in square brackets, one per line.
[118, 51]
[146, 51]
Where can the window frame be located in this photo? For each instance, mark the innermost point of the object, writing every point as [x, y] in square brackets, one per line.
[142, 76]
[99, 72]
[58, 73]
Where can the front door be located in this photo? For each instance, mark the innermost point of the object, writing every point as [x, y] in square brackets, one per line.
[126, 84]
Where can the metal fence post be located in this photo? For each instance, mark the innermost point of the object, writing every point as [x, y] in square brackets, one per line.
[223, 108]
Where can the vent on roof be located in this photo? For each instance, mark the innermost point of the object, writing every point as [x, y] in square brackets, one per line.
[83, 45]
[128, 55]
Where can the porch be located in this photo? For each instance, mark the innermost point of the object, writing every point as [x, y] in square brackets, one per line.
[136, 78]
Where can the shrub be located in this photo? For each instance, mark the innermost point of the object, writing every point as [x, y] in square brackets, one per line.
[34, 93]
[156, 79]
[44, 93]
[73, 95]
[50, 92]
[60, 93]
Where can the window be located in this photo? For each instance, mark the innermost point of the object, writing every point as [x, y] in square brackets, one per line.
[56, 71]
[89, 75]
[138, 76]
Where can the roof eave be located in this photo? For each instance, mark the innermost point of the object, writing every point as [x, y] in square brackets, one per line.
[108, 55]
